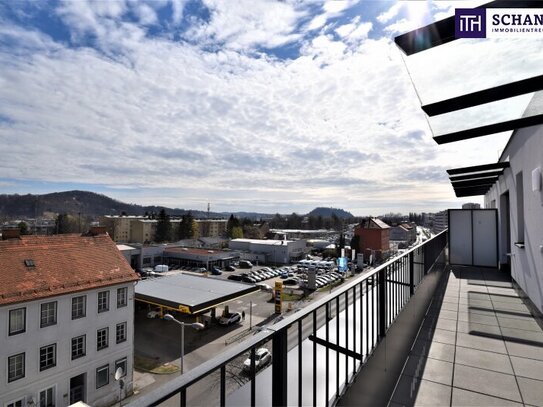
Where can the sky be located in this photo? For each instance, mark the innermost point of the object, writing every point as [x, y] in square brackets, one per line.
[266, 106]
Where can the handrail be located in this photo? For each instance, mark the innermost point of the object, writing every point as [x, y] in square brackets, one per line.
[174, 386]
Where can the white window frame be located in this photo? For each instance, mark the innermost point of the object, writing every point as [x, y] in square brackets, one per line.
[125, 328]
[84, 306]
[55, 314]
[10, 333]
[119, 361]
[24, 367]
[124, 296]
[12, 402]
[84, 347]
[100, 310]
[98, 348]
[54, 387]
[54, 346]
[96, 377]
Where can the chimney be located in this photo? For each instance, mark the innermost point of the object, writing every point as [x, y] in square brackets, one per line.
[97, 230]
[11, 233]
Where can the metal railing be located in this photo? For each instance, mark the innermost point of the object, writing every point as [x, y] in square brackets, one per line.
[317, 351]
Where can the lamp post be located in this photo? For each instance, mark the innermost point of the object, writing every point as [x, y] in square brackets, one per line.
[195, 325]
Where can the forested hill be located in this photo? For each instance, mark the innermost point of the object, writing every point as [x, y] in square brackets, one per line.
[329, 212]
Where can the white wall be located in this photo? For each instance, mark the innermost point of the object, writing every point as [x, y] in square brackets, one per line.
[525, 153]
[61, 334]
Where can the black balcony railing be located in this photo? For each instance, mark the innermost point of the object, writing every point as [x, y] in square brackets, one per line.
[317, 351]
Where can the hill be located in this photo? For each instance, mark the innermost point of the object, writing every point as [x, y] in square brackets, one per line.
[91, 204]
[328, 212]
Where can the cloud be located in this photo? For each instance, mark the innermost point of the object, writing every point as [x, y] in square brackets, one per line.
[331, 9]
[388, 15]
[164, 120]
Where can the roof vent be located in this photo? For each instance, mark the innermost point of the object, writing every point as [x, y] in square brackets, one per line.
[29, 263]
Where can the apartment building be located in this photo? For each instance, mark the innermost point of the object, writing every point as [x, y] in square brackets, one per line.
[211, 227]
[66, 319]
[441, 221]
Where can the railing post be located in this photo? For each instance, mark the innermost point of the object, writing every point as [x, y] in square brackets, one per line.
[411, 274]
[382, 304]
[279, 368]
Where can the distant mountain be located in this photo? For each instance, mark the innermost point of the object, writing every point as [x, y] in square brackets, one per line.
[92, 204]
[328, 212]
[74, 202]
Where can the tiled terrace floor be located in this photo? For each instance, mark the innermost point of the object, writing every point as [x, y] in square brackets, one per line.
[479, 346]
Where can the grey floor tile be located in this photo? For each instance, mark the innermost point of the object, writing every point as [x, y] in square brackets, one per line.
[532, 391]
[447, 324]
[429, 369]
[533, 369]
[444, 336]
[522, 335]
[502, 290]
[413, 391]
[478, 318]
[483, 359]
[464, 398]
[476, 303]
[480, 342]
[435, 350]
[515, 314]
[449, 306]
[524, 350]
[505, 298]
[527, 325]
[443, 313]
[508, 306]
[487, 382]
[474, 328]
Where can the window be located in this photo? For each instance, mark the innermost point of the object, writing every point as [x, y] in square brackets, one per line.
[17, 403]
[48, 356]
[78, 347]
[16, 367]
[102, 376]
[102, 338]
[79, 307]
[121, 363]
[121, 332]
[146, 261]
[47, 397]
[103, 301]
[17, 321]
[48, 314]
[122, 295]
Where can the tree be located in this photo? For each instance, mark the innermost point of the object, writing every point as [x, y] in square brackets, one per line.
[232, 223]
[294, 221]
[65, 223]
[237, 232]
[23, 228]
[185, 227]
[340, 244]
[355, 243]
[163, 227]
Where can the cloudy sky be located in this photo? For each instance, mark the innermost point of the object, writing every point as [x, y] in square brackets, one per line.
[250, 105]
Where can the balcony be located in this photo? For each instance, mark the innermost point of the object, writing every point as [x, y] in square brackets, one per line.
[414, 331]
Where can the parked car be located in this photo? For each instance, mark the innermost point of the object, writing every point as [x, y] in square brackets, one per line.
[230, 268]
[154, 313]
[245, 264]
[216, 271]
[291, 281]
[235, 277]
[230, 319]
[262, 358]
[264, 287]
[248, 279]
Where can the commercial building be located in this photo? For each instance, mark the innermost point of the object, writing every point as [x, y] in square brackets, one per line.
[186, 256]
[374, 235]
[66, 319]
[270, 251]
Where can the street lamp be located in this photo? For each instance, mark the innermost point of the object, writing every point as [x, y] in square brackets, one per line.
[195, 325]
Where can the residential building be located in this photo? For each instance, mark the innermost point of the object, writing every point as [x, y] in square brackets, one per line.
[405, 232]
[66, 319]
[211, 227]
[142, 230]
[441, 221]
[119, 227]
[374, 238]
[270, 251]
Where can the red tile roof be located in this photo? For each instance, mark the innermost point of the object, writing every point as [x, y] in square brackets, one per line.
[62, 264]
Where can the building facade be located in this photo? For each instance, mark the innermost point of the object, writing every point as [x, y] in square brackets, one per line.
[66, 316]
[374, 238]
[518, 197]
[270, 251]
